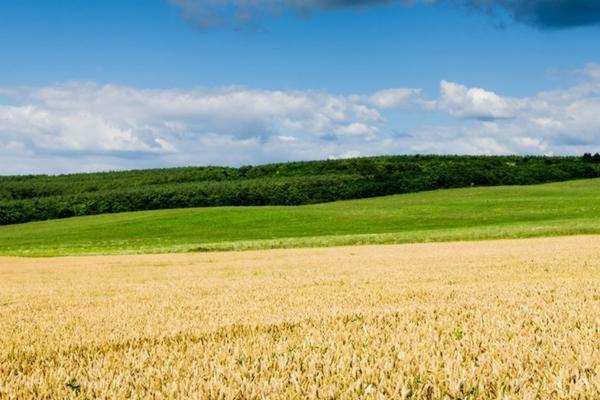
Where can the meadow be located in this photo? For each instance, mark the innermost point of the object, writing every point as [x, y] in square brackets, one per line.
[566, 208]
[513, 319]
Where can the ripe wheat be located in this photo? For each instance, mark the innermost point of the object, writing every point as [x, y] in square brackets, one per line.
[489, 320]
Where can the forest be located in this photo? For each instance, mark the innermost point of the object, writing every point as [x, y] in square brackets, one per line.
[42, 197]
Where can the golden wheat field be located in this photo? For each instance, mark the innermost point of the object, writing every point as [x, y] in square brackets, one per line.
[516, 319]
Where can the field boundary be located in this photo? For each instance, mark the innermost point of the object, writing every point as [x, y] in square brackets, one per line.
[248, 250]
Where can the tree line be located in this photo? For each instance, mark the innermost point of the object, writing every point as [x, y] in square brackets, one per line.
[42, 197]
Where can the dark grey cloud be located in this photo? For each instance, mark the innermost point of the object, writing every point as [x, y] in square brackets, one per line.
[544, 14]
[211, 13]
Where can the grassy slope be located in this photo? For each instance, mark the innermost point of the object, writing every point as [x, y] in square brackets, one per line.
[458, 214]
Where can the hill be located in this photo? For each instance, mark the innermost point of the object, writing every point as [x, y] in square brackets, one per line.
[35, 198]
[456, 214]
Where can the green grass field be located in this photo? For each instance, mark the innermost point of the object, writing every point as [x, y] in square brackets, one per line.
[566, 208]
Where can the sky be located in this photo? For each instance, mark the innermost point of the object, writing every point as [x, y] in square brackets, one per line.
[95, 85]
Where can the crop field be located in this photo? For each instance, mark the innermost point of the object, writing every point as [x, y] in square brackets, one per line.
[567, 208]
[511, 319]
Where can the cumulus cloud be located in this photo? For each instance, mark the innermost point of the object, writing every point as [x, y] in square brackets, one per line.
[476, 103]
[83, 126]
[392, 98]
[82, 119]
[592, 71]
[78, 116]
[553, 122]
[546, 14]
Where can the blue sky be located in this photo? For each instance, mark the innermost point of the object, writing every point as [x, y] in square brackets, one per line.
[118, 84]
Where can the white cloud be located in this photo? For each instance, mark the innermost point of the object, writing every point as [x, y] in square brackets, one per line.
[592, 71]
[347, 154]
[83, 116]
[81, 119]
[463, 102]
[85, 126]
[393, 98]
[553, 122]
[358, 129]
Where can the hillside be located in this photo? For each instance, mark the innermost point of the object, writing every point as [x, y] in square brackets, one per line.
[35, 198]
[456, 214]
